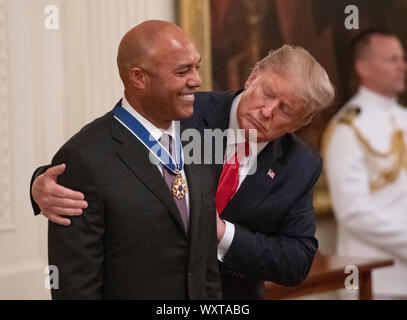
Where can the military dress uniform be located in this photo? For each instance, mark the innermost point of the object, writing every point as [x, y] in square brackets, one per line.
[365, 155]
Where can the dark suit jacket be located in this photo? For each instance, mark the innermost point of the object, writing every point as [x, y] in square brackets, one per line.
[130, 242]
[274, 218]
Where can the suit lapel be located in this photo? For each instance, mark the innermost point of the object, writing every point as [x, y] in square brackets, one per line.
[257, 186]
[219, 116]
[136, 157]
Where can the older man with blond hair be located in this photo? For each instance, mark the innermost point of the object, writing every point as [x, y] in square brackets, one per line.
[266, 225]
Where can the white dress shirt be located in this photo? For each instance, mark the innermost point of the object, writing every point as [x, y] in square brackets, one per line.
[156, 133]
[237, 136]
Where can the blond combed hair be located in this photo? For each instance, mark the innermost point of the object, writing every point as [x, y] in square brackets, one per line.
[309, 78]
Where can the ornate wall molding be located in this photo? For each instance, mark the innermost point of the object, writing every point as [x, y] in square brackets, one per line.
[6, 208]
[92, 32]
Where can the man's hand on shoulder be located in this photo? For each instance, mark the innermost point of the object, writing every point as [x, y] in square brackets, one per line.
[54, 200]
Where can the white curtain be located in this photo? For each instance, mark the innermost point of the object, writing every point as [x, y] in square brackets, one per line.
[52, 82]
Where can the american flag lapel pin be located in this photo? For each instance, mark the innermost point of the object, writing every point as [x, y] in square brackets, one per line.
[271, 174]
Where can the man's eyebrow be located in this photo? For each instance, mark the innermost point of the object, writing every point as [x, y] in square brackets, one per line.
[187, 65]
[268, 88]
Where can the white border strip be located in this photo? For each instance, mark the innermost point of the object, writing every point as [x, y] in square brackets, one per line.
[6, 207]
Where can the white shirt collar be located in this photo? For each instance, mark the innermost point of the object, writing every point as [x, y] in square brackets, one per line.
[152, 129]
[376, 100]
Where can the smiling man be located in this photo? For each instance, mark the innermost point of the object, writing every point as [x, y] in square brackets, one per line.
[137, 238]
[265, 221]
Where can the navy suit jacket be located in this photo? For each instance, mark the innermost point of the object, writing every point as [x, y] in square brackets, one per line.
[274, 218]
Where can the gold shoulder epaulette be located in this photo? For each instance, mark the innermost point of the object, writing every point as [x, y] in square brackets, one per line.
[346, 118]
[350, 114]
[398, 150]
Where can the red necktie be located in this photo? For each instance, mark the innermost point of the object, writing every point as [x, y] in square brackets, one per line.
[229, 180]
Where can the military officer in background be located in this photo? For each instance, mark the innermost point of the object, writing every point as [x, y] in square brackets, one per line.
[365, 155]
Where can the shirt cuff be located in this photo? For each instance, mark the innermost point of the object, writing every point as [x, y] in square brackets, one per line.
[226, 241]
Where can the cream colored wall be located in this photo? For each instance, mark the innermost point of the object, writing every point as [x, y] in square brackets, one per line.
[52, 82]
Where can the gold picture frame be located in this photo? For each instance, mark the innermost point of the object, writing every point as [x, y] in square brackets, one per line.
[194, 17]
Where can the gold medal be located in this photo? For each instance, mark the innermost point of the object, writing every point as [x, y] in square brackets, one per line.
[179, 187]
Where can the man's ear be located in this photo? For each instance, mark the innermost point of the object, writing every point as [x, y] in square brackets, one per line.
[362, 69]
[302, 123]
[252, 76]
[137, 77]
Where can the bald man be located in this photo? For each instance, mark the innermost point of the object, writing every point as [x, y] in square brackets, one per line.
[139, 237]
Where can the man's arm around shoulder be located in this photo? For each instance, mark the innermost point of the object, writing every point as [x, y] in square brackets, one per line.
[39, 171]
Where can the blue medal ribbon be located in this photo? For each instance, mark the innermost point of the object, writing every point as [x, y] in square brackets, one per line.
[154, 146]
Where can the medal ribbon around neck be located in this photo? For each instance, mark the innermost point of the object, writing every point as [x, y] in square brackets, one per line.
[154, 146]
